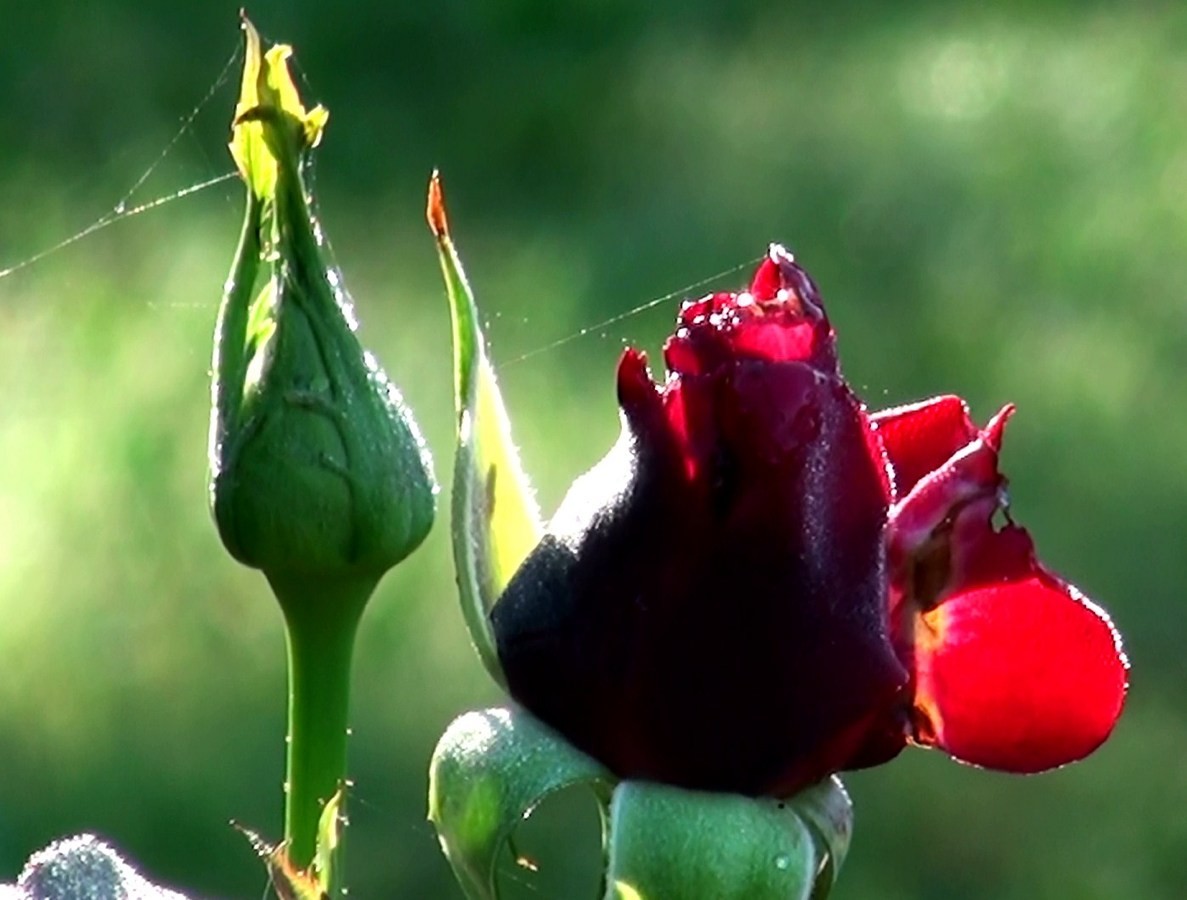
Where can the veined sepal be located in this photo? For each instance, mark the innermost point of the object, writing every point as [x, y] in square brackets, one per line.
[492, 768]
[495, 520]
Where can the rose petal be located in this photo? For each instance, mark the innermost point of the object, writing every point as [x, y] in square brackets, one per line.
[1021, 676]
[781, 319]
[947, 510]
[767, 280]
[919, 438]
[1013, 668]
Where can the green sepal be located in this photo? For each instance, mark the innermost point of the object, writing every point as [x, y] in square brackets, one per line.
[329, 836]
[666, 843]
[495, 520]
[828, 811]
[492, 768]
[489, 771]
[231, 356]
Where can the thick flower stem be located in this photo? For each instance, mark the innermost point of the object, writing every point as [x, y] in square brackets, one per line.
[322, 619]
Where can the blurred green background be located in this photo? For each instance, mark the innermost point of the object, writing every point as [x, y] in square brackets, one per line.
[994, 203]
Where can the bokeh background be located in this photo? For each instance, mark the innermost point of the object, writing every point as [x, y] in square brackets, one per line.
[994, 202]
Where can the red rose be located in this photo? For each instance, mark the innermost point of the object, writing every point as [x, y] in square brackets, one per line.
[761, 584]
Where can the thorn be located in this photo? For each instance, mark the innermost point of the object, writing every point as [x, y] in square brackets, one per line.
[435, 213]
[261, 847]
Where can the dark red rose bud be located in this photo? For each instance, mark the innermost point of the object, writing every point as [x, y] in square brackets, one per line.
[709, 606]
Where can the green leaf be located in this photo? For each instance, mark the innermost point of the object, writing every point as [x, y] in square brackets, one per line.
[489, 771]
[666, 843]
[496, 522]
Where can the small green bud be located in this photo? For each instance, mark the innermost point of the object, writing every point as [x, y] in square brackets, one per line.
[317, 469]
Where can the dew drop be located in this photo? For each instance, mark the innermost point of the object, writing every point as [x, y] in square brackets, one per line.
[782, 862]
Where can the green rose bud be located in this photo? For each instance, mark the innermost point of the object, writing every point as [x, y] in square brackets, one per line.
[318, 474]
[317, 466]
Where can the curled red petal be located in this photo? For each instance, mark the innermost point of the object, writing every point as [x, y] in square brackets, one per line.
[1021, 676]
[953, 504]
[920, 438]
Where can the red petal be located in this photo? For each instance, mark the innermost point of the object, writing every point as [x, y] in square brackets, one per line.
[964, 491]
[922, 436]
[767, 280]
[1021, 676]
[1013, 668]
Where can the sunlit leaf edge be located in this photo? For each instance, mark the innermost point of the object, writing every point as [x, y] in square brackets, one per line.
[495, 519]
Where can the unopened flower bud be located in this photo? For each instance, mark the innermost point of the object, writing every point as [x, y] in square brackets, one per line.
[318, 470]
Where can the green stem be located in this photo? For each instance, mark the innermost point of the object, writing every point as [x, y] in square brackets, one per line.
[322, 619]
